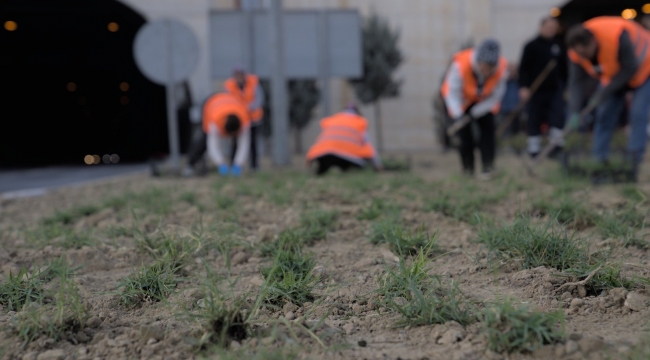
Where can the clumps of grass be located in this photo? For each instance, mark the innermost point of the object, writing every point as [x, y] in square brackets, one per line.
[632, 192]
[420, 298]
[222, 322]
[20, 289]
[377, 208]
[70, 216]
[466, 202]
[287, 240]
[622, 223]
[150, 283]
[401, 241]
[289, 278]
[510, 329]
[566, 211]
[315, 224]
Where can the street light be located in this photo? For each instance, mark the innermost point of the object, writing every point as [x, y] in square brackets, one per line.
[113, 26]
[555, 12]
[11, 25]
[646, 9]
[628, 14]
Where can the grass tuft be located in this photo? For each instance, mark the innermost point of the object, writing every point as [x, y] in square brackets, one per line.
[316, 224]
[401, 241]
[567, 211]
[20, 289]
[290, 278]
[511, 329]
[149, 283]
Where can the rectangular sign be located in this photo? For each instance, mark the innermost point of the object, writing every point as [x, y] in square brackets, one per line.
[243, 38]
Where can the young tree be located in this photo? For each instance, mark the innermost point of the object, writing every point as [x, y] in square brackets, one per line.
[381, 57]
[304, 95]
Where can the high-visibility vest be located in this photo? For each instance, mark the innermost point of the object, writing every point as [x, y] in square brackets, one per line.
[342, 134]
[471, 95]
[219, 107]
[247, 95]
[607, 30]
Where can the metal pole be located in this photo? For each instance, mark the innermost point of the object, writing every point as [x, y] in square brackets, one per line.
[324, 63]
[279, 104]
[172, 123]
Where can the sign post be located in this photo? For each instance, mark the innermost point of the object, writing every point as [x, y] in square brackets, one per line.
[166, 52]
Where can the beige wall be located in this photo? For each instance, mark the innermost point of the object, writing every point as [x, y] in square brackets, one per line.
[431, 30]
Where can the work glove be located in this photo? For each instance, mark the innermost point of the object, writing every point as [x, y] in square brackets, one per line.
[235, 170]
[223, 170]
[574, 122]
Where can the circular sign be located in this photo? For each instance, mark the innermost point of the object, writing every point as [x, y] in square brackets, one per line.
[166, 51]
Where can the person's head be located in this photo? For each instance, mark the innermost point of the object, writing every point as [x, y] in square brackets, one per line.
[487, 56]
[233, 124]
[239, 73]
[582, 41]
[352, 107]
[549, 27]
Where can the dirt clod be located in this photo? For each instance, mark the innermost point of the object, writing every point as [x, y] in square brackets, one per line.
[55, 354]
[637, 301]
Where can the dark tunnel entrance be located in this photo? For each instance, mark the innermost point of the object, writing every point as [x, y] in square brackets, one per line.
[71, 87]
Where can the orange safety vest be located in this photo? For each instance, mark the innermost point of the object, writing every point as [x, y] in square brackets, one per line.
[217, 109]
[247, 95]
[342, 134]
[463, 61]
[607, 30]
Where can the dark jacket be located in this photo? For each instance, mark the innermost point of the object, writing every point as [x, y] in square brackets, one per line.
[537, 54]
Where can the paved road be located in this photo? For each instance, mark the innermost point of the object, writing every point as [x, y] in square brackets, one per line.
[32, 182]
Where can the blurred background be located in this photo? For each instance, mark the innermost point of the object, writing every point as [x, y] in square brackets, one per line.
[71, 87]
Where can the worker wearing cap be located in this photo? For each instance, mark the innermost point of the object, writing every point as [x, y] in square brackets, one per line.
[617, 53]
[474, 87]
[247, 88]
[224, 116]
[343, 143]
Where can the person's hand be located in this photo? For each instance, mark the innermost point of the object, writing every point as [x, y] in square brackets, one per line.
[524, 94]
[235, 170]
[574, 122]
[224, 169]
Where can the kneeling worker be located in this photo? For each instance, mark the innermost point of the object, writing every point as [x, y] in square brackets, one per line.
[474, 86]
[343, 143]
[224, 115]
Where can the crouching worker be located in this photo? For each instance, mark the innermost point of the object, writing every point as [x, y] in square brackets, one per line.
[224, 116]
[474, 86]
[343, 142]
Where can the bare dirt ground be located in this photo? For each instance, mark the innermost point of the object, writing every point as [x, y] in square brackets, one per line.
[103, 228]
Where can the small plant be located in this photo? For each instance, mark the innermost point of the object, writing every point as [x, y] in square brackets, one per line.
[466, 202]
[20, 289]
[567, 211]
[437, 305]
[511, 329]
[222, 322]
[70, 216]
[150, 283]
[401, 241]
[76, 240]
[315, 224]
[622, 223]
[403, 280]
[287, 240]
[164, 247]
[290, 278]
[376, 209]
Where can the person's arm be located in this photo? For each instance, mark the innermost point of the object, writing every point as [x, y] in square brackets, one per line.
[214, 151]
[484, 107]
[243, 147]
[577, 79]
[258, 102]
[629, 67]
[454, 98]
[525, 67]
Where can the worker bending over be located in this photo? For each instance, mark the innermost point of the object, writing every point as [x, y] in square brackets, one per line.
[617, 52]
[247, 88]
[474, 86]
[343, 142]
[224, 116]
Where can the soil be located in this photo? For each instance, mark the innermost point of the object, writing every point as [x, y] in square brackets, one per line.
[610, 324]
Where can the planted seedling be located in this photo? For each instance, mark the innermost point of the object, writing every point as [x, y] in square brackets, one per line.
[150, 283]
[290, 278]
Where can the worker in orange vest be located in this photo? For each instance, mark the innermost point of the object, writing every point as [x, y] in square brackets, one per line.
[343, 143]
[474, 86]
[248, 89]
[224, 115]
[616, 52]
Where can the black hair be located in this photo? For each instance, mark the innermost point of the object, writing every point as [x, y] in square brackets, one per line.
[232, 124]
[578, 35]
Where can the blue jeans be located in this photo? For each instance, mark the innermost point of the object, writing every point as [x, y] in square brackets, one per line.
[607, 115]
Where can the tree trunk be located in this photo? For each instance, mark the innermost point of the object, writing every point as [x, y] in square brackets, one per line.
[297, 140]
[379, 131]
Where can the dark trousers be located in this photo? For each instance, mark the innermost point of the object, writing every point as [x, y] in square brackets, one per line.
[198, 146]
[545, 105]
[486, 144]
[328, 161]
[253, 151]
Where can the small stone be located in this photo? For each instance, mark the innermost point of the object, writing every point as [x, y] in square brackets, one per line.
[559, 350]
[257, 281]
[400, 301]
[582, 291]
[30, 355]
[357, 308]
[152, 331]
[570, 347]
[590, 344]
[266, 232]
[637, 301]
[289, 307]
[349, 328]
[451, 336]
[82, 351]
[545, 352]
[290, 315]
[94, 322]
[239, 258]
[55, 354]
[267, 340]
[201, 303]
[151, 341]
[566, 295]
[235, 345]
[362, 343]
[319, 272]
[577, 303]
